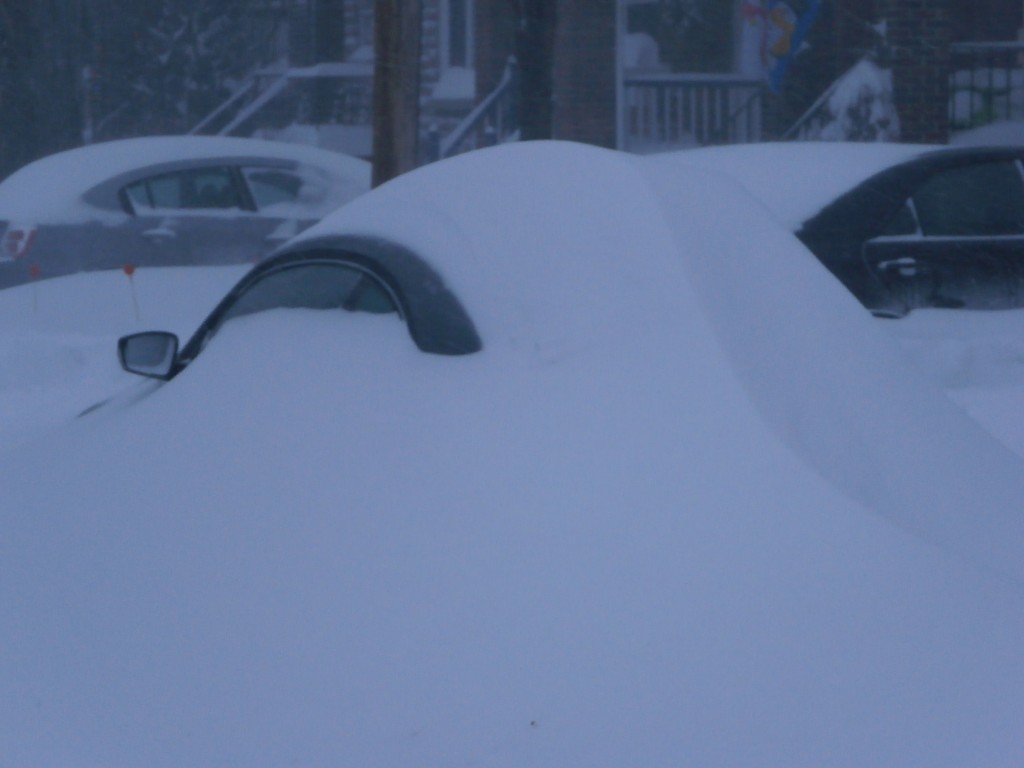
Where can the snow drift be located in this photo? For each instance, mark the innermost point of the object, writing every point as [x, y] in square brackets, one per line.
[600, 541]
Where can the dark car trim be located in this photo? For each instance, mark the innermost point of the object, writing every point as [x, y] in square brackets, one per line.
[838, 234]
[437, 322]
[107, 194]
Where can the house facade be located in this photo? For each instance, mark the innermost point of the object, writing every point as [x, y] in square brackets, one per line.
[644, 75]
[325, 68]
[628, 75]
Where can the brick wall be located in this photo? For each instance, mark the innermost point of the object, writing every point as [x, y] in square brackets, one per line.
[430, 45]
[919, 38]
[584, 81]
[985, 20]
[300, 33]
[494, 33]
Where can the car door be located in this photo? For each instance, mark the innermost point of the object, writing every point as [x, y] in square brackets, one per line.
[958, 241]
[287, 200]
[199, 215]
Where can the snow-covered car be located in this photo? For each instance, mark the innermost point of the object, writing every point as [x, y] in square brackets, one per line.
[563, 470]
[903, 227]
[167, 200]
[343, 274]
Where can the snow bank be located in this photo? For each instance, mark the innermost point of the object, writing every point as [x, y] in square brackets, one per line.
[861, 106]
[977, 357]
[839, 392]
[585, 545]
[58, 338]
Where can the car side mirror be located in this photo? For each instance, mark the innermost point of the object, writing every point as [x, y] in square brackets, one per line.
[152, 353]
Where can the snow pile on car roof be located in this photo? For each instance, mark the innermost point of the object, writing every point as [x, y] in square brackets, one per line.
[687, 259]
[51, 188]
[793, 180]
[597, 542]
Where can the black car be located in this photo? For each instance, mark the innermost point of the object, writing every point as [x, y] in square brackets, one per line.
[354, 274]
[903, 227]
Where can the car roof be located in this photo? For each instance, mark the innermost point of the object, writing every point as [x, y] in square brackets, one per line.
[54, 188]
[795, 180]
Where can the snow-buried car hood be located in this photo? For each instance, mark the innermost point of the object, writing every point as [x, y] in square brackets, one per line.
[599, 541]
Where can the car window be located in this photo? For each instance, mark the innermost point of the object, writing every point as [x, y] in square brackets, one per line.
[272, 186]
[973, 200]
[165, 192]
[193, 189]
[904, 222]
[138, 196]
[314, 286]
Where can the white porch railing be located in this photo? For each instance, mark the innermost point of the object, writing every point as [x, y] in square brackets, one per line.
[665, 111]
[330, 93]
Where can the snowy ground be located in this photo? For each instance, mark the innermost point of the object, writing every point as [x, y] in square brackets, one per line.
[977, 357]
[686, 507]
[58, 337]
[57, 341]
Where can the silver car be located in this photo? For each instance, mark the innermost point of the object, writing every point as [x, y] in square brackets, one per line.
[161, 201]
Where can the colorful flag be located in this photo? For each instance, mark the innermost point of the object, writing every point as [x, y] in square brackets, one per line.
[772, 33]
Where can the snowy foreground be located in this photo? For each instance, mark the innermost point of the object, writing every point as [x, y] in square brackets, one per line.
[58, 339]
[690, 505]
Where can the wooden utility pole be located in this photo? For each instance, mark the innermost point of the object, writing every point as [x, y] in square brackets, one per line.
[328, 37]
[535, 52]
[585, 71]
[396, 87]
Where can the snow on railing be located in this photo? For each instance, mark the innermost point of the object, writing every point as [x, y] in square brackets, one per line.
[234, 101]
[254, 106]
[857, 106]
[493, 120]
[340, 90]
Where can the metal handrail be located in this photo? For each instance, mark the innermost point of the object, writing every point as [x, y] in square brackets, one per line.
[814, 110]
[265, 85]
[254, 106]
[236, 97]
[486, 109]
[1007, 45]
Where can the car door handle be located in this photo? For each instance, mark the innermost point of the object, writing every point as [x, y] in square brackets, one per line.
[907, 266]
[160, 234]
